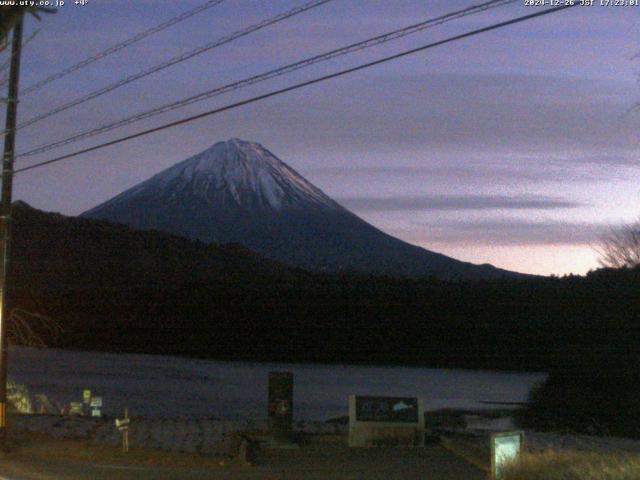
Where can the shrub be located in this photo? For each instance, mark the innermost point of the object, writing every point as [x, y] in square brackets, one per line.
[573, 465]
[593, 399]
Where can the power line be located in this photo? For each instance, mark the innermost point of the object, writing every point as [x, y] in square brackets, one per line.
[119, 46]
[176, 60]
[298, 86]
[371, 42]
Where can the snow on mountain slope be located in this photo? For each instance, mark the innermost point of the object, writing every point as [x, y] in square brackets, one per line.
[242, 172]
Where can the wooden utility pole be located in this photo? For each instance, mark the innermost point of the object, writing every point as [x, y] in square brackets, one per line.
[5, 218]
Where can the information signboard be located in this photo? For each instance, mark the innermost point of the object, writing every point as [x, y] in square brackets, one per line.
[386, 409]
[385, 421]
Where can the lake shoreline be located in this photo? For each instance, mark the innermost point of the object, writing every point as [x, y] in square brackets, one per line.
[301, 363]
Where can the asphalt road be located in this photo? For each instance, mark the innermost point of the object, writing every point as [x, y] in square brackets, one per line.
[50, 459]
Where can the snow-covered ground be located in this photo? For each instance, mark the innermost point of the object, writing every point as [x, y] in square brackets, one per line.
[198, 405]
[561, 441]
[170, 387]
[481, 426]
[222, 437]
[202, 435]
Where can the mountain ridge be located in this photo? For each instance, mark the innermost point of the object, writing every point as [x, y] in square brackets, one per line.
[114, 288]
[239, 192]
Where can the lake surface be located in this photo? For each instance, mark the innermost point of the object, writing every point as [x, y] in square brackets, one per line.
[164, 386]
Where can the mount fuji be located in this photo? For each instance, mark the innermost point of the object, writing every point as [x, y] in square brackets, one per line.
[239, 192]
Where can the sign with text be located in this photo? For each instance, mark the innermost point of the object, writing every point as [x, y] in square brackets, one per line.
[505, 448]
[75, 408]
[385, 421]
[387, 409]
[122, 424]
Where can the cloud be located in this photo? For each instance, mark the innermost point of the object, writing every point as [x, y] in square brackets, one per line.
[508, 232]
[538, 171]
[487, 169]
[496, 112]
[469, 171]
[630, 159]
[456, 202]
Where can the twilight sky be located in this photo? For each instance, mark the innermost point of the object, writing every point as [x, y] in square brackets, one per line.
[517, 147]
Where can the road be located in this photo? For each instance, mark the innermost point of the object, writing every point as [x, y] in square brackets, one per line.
[46, 459]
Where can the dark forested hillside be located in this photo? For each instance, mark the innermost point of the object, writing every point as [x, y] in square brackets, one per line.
[114, 288]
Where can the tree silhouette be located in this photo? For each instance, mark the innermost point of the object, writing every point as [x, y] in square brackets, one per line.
[621, 248]
[10, 15]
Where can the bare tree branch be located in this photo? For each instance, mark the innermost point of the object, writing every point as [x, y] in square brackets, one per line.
[32, 329]
[11, 15]
[621, 248]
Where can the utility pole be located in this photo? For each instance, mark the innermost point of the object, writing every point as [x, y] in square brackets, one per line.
[5, 218]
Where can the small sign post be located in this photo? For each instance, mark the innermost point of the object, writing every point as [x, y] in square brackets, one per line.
[75, 408]
[505, 448]
[280, 406]
[123, 426]
[379, 421]
[96, 406]
[86, 399]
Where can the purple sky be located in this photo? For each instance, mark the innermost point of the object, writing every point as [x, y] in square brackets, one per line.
[515, 147]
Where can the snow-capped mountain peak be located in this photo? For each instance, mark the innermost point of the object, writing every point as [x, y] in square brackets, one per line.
[238, 191]
[233, 172]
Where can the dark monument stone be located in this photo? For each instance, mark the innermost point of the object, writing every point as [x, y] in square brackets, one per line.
[281, 406]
